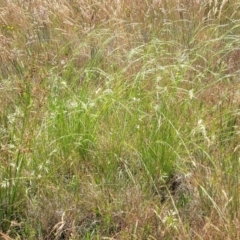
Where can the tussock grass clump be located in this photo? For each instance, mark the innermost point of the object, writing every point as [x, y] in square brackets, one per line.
[119, 120]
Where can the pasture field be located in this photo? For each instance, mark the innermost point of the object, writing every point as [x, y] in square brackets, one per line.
[119, 119]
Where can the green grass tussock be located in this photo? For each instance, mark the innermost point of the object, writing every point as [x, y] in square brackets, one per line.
[119, 119]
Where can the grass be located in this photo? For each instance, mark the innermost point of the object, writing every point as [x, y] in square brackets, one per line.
[119, 120]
